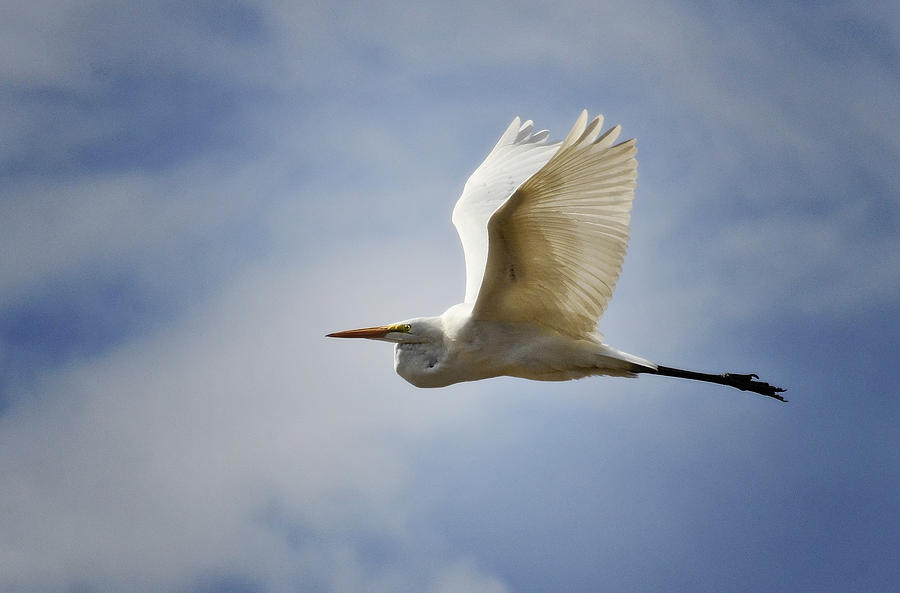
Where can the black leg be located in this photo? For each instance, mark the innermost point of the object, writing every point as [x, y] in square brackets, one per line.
[742, 382]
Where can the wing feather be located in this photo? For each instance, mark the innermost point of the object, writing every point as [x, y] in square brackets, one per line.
[557, 244]
[517, 156]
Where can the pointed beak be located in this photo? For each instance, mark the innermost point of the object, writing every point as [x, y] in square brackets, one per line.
[365, 332]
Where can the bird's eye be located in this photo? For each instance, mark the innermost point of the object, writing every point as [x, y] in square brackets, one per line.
[406, 327]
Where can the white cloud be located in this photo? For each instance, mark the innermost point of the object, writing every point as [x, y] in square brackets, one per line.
[65, 228]
[159, 463]
[465, 576]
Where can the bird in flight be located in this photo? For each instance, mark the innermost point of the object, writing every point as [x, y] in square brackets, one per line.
[544, 227]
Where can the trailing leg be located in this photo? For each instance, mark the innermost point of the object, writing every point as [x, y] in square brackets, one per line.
[742, 382]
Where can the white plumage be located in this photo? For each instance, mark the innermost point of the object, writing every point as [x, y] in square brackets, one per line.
[544, 227]
[558, 240]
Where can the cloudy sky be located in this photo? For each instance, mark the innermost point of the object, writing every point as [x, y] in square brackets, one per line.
[193, 194]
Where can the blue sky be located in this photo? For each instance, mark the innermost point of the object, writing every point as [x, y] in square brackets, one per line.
[193, 194]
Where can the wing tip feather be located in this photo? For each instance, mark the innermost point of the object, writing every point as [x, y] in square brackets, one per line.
[576, 132]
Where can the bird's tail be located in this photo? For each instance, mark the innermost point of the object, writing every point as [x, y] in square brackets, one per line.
[621, 364]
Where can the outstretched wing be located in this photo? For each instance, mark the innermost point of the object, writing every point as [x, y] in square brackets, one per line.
[558, 243]
[515, 158]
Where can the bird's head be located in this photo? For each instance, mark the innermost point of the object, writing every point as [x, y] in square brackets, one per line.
[406, 332]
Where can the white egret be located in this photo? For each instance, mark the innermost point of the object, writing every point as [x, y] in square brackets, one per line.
[544, 227]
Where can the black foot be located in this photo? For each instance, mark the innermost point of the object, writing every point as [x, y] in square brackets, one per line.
[747, 383]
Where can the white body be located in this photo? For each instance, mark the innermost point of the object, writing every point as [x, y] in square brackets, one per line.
[462, 350]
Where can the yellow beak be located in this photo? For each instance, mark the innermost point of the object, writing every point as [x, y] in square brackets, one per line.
[365, 332]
